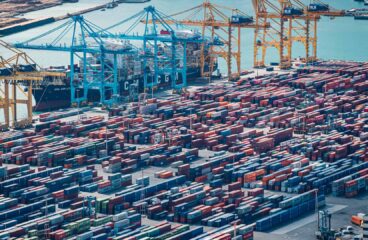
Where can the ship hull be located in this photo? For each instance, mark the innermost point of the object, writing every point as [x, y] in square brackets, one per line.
[53, 97]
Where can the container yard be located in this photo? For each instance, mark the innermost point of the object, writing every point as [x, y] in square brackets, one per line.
[141, 136]
[252, 155]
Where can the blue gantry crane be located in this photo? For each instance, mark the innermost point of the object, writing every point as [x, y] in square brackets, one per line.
[77, 37]
[157, 61]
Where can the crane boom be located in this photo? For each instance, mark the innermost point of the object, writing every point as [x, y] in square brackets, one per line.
[292, 21]
[224, 26]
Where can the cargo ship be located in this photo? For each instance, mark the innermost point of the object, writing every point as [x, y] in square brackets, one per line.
[25, 25]
[112, 4]
[55, 93]
[133, 1]
[357, 11]
[361, 17]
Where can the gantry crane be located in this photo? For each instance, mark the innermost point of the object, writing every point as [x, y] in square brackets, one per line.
[18, 72]
[164, 51]
[98, 58]
[224, 26]
[291, 21]
[280, 14]
[305, 29]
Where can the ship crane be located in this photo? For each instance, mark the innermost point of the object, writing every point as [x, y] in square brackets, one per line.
[164, 50]
[77, 37]
[280, 13]
[223, 25]
[17, 72]
[305, 30]
[291, 21]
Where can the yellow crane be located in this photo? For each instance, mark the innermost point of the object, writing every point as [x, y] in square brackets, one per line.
[306, 28]
[291, 21]
[16, 72]
[223, 25]
[280, 14]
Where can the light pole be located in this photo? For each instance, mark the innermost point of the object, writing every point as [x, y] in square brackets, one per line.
[106, 137]
[78, 107]
[152, 87]
[190, 120]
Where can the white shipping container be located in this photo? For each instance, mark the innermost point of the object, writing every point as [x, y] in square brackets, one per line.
[119, 216]
[216, 114]
[144, 156]
[363, 136]
[122, 224]
[176, 164]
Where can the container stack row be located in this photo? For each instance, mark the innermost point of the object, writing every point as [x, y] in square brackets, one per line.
[205, 159]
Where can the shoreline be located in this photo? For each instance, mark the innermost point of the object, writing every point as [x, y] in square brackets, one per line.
[29, 23]
[91, 9]
[37, 22]
[14, 13]
[32, 23]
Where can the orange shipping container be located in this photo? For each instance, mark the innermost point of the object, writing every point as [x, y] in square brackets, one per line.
[209, 133]
[201, 178]
[356, 220]
[166, 175]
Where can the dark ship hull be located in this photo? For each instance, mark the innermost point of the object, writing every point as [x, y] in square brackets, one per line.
[50, 96]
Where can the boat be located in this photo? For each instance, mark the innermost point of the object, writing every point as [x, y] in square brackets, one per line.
[357, 11]
[134, 1]
[55, 93]
[112, 4]
[25, 25]
[361, 16]
[52, 96]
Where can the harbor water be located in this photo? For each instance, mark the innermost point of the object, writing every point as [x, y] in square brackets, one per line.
[337, 38]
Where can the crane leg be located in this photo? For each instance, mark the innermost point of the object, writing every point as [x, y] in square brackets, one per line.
[29, 102]
[14, 103]
[6, 103]
[229, 54]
